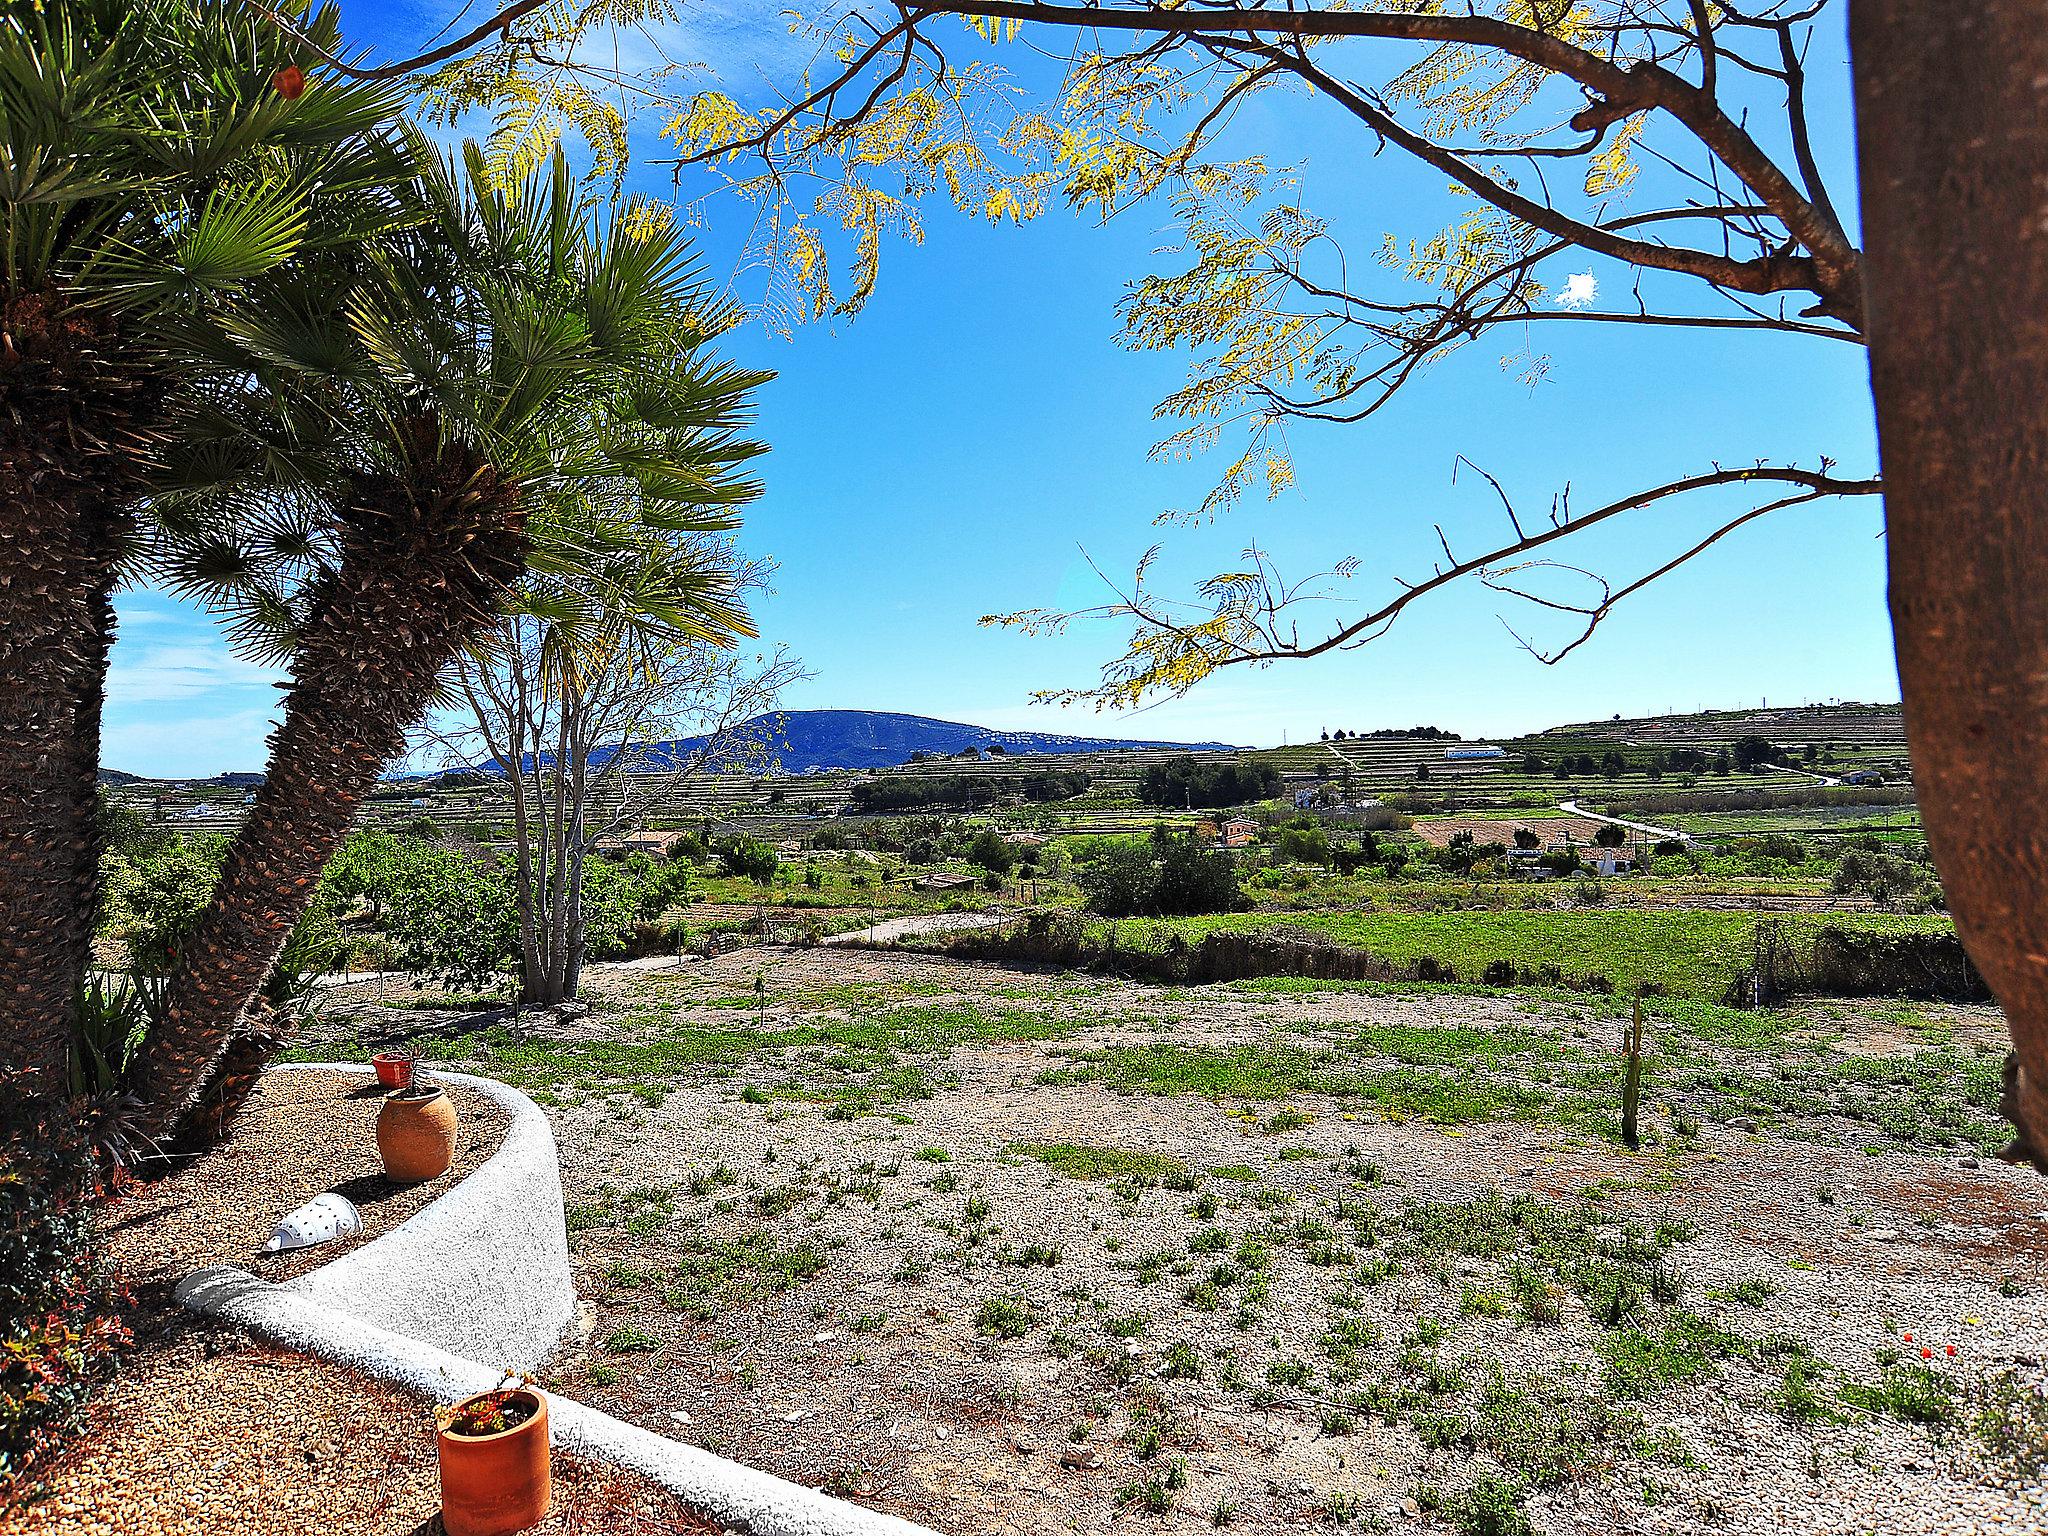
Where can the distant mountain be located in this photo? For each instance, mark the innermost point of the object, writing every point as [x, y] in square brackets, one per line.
[804, 739]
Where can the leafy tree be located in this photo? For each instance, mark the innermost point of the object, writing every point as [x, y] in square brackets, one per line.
[1194, 878]
[448, 914]
[749, 858]
[991, 851]
[1525, 839]
[1304, 841]
[1883, 877]
[899, 792]
[153, 896]
[1754, 753]
[1609, 835]
[1121, 880]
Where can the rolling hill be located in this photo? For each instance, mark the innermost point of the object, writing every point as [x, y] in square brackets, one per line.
[805, 739]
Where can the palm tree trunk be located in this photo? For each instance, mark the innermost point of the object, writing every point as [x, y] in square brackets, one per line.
[74, 428]
[1953, 153]
[425, 564]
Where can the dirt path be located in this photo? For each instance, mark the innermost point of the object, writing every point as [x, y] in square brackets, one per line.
[935, 922]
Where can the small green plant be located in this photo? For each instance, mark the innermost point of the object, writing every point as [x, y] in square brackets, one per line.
[1912, 1393]
[1492, 1506]
[1005, 1317]
[1798, 1396]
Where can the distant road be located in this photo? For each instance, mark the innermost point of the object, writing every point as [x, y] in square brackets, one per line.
[1572, 808]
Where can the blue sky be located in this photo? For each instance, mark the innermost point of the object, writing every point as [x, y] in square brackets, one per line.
[954, 450]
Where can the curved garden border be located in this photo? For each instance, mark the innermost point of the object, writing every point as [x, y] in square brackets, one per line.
[484, 1272]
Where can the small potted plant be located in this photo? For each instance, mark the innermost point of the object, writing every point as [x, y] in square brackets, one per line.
[417, 1129]
[394, 1067]
[494, 1460]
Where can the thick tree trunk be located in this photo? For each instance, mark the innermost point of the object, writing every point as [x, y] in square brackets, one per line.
[74, 431]
[424, 567]
[1952, 131]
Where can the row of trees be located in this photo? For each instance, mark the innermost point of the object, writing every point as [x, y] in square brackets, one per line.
[1192, 784]
[965, 791]
[269, 348]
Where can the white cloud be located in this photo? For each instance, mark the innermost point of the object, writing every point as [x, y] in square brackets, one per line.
[1579, 291]
[166, 674]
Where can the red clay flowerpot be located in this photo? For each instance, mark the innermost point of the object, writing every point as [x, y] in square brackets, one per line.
[416, 1136]
[492, 1485]
[393, 1071]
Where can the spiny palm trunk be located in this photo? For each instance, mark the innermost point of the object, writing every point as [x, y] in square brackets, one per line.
[424, 565]
[1953, 152]
[75, 424]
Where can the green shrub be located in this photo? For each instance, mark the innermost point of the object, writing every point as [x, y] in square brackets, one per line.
[749, 858]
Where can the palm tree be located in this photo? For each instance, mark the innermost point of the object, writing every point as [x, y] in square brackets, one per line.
[411, 443]
[149, 164]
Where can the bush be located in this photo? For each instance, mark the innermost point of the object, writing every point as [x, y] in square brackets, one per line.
[1120, 881]
[992, 851]
[1304, 841]
[1175, 875]
[59, 1332]
[448, 914]
[749, 858]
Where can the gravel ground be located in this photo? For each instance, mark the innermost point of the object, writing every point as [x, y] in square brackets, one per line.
[904, 1307]
[207, 1431]
[302, 1133]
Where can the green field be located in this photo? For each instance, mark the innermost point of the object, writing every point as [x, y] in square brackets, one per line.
[1689, 953]
[1845, 819]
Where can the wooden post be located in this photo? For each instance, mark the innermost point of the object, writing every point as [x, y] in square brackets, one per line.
[1632, 1079]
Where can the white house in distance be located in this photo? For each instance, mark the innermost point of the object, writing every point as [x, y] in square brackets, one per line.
[1608, 861]
[1472, 753]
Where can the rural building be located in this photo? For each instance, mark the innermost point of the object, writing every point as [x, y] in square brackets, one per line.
[1609, 861]
[1471, 754]
[939, 880]
[1238, 832]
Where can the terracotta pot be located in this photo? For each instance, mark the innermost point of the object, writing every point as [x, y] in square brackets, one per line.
[393, 1071]
[492, 1485]
[417, 1136]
